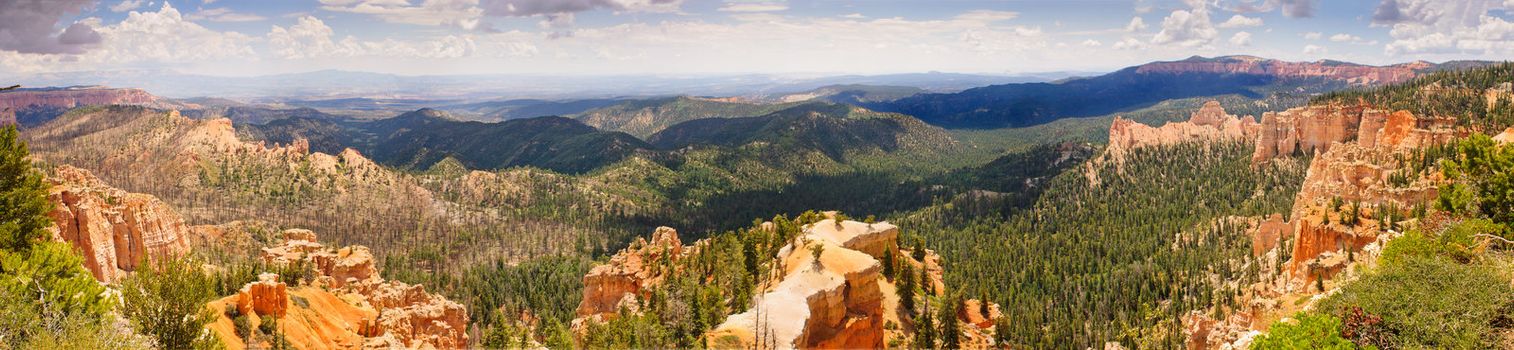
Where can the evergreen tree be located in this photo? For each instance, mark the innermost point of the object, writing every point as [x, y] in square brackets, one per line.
[166, 301]
[950, 334]
[44, 287]
[23, 196]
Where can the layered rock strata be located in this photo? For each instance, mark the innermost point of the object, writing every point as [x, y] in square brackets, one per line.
[832, 302]
[114, 230]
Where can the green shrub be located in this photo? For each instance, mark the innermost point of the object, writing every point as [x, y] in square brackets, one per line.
[1312, 331]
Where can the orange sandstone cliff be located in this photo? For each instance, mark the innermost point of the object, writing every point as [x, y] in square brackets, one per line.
[346, 305]
[114, 230]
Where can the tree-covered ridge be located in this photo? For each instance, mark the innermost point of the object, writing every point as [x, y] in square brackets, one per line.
[1118, 260]
[1463, 94]
[642, 118]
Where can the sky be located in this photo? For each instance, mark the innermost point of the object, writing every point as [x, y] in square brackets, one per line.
[714, 37]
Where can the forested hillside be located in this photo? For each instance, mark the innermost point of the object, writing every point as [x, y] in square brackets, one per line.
[1117, 260]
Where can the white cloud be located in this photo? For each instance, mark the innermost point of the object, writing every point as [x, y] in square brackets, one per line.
[1241, 39]
[1289, 8]
[1130, 44]
[987, 16]
[1314, 50]
[854, 16]
[127, 5]
[1313, 35]
[1092, 43]
[163, 37]
[1239, 21]
[1187, 28]
[310, 38]
[166, 36]
[222, 14]
[1421, 27]
[460, 13]
[1136, 25]
[754, 6]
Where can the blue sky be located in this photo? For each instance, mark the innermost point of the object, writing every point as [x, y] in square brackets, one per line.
[607, 37]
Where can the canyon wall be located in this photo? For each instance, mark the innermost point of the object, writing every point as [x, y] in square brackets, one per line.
[1353, 74]
[114, 230]
[62, 99]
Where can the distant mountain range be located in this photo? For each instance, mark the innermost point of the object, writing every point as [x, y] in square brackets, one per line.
[336, 85]
[1024, 104]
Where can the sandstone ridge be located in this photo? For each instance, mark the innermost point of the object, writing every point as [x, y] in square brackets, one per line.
[346, 304]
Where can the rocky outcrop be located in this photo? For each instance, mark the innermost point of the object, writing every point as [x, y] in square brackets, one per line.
[114, 230]
[1504, 91]
[1205, 333]
[628, 276]
[1354, 74]
[371, 312]
[1314, 129]
[1269, 234]
[1210, 122]
[834, 301]
[267, 297]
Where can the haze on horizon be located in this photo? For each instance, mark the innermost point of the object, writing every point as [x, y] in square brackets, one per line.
[628, 37]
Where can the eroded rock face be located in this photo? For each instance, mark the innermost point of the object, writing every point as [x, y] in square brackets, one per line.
[1351, 73]
[398, 313]
[835, 302]
[1210, 122]
[971, 312]
[67, 98]
[267, 297]
[1206, 333]
[628, 275]
[114, 230]
[1504, 91]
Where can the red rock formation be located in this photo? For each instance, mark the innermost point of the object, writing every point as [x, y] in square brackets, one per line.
[67, 98]
[1351, 73]
[971, 312]
[835, 302]
[1204, 333]
[1503, 91]
[267, 297]
[1210, 122]
[1267, 234]
[114, 230]
[404, 314]
[627, 277]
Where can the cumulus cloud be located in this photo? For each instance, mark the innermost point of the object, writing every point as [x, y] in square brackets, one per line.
[166, 36]
[1136, 25]
[1437, 27]
[1130, 44]
[1187, 28]
[1241, 39]
[1092, 43]
[27, 27]
[1239, 21]
[1314, 50]
[1313, 35]
[460, 13]
[127, 5]
[310, 37]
